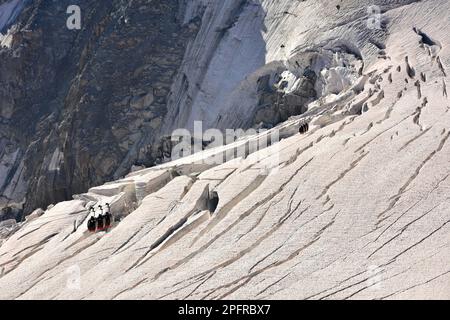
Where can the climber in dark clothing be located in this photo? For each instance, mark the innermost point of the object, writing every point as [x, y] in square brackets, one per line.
[100, 220]
[92, 222]
[304, 128]
[108, 217]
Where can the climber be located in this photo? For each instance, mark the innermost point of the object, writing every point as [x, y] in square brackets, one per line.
[304, 127]
[213, 200]
[100, 220]
[92, 222]
[108, 217]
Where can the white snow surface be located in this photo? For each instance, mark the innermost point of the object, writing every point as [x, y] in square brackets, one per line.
[357, 208]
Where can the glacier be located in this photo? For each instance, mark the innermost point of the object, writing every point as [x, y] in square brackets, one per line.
[356, 208]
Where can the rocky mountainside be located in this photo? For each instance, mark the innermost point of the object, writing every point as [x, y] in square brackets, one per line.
[79, 108]
[355, 208]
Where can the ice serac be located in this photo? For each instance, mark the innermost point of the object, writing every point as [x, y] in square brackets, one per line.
[356, 207]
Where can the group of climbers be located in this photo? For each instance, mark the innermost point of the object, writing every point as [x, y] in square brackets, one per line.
[304, 128]
[100, 223]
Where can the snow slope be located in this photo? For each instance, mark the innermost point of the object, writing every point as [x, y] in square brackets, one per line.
[357, 208]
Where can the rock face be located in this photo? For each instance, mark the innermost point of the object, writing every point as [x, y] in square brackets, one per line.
[357, 207]
[80, 107]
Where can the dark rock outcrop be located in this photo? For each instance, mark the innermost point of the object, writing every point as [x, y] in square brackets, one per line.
[80, 107]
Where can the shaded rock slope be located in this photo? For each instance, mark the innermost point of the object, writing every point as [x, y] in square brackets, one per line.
[78, 108]
[357, 207]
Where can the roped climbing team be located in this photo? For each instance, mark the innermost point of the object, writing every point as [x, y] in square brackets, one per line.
[100, 223]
